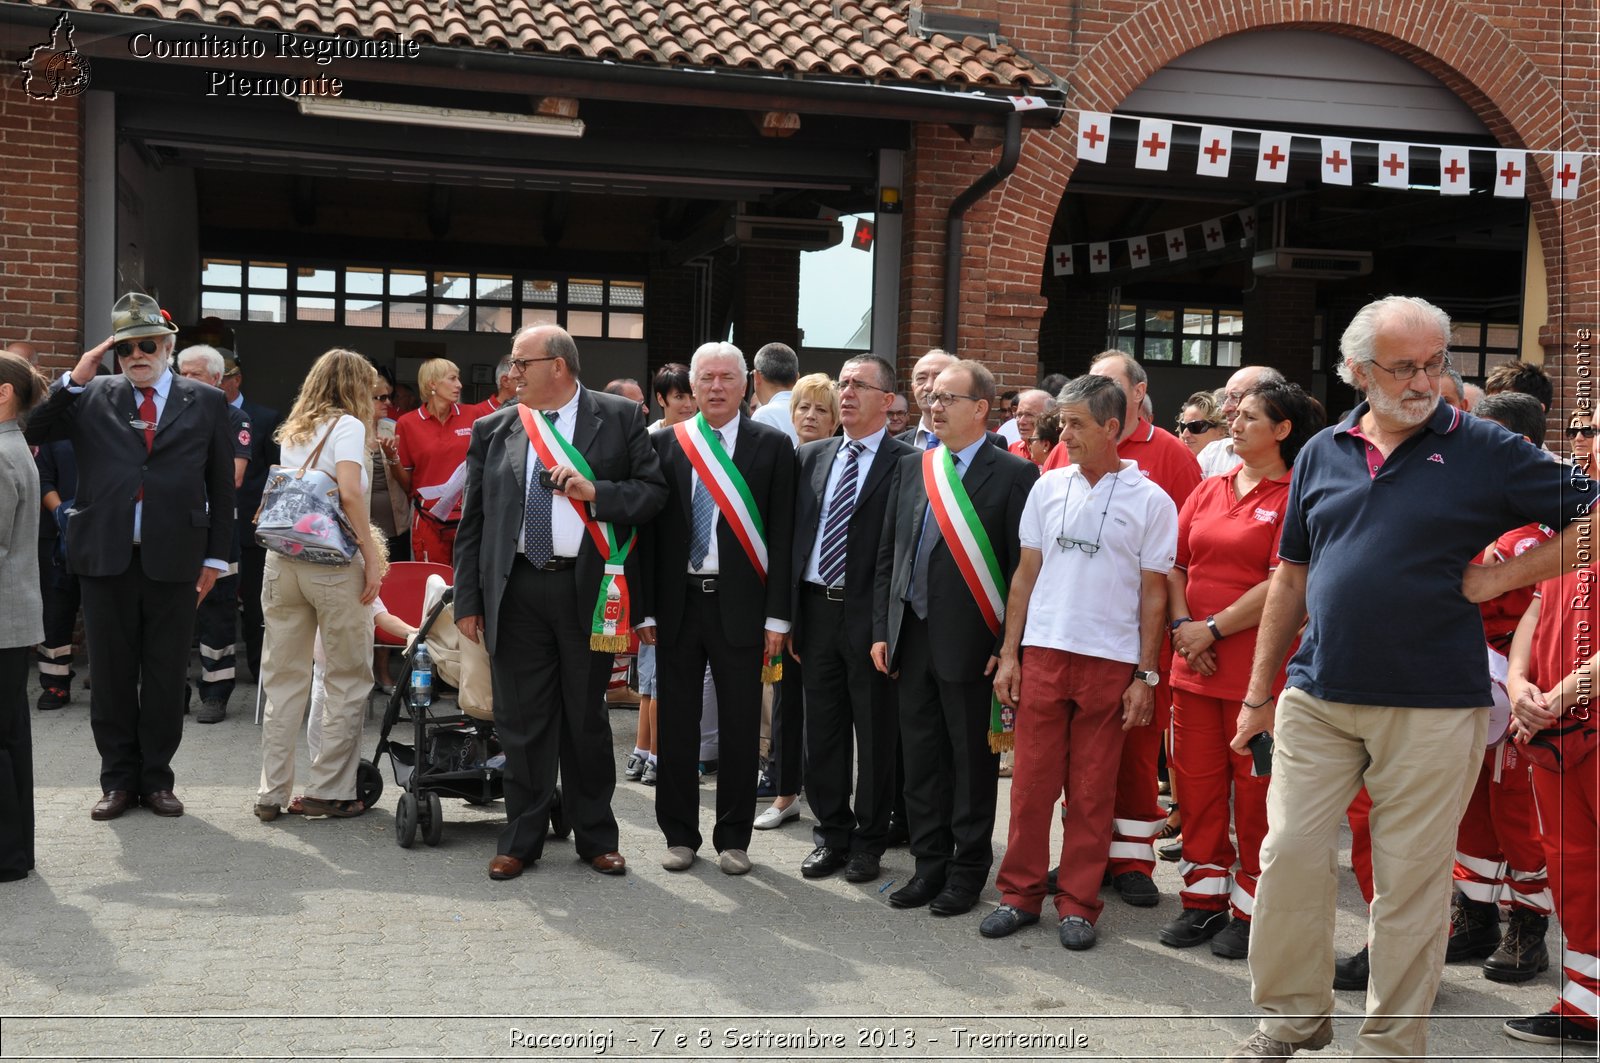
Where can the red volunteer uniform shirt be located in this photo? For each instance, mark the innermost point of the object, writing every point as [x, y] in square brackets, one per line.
[1227, 545]
[1159, 454]
[434, 449]
[1500, 615]
[1564, 637]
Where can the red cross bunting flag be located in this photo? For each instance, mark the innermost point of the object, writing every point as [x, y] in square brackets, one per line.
[1177, 244]
[865, 231]
[1568, 167]
[1394, 165]
[1155, 144]
[1510, 174]
[1216, 151]
[1094, 136]
[1139, 251]
[1213, 234]
[1061, 259]
[1272, 161]
[1337, 165]
[1100, 257]
[1247, 221]
[1455, 171]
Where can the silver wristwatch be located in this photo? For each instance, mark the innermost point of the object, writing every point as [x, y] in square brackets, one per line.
[1149, 679]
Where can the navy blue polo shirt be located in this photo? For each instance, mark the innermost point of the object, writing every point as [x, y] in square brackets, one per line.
[1388, 624]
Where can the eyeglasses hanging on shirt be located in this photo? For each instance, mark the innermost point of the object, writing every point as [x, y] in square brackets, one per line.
[1066, 542]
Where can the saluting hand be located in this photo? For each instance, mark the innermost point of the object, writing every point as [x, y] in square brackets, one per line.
[89, 365]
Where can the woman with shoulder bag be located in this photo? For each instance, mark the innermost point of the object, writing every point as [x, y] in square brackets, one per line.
[22, 621]
[328, 431]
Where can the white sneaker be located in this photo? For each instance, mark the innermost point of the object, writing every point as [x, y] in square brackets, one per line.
[734, 862]
[678, 858]
[773, 816]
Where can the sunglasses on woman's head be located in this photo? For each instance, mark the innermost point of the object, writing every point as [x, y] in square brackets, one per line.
[125, 348]
[1576, 430]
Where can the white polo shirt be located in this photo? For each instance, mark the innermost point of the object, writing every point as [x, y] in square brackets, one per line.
[1089, 603]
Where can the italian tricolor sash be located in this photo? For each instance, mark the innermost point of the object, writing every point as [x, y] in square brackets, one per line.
[611, 632]
[975, 559]
[727, 486]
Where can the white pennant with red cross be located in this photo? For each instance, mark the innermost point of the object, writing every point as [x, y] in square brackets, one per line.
[1094, 136]
[1216, 151]
[1510, 174]
[1338, 164]
[1455, 171]
[1272, 161]
[1155, 144]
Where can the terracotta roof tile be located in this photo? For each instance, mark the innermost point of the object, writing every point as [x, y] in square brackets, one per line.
[869, 39]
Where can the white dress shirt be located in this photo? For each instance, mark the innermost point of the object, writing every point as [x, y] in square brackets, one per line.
[775, 413]
[864, 462]
[566, 527]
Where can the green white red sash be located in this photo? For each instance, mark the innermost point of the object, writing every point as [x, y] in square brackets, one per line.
[611, 631]
[975, 559]
[727, 486]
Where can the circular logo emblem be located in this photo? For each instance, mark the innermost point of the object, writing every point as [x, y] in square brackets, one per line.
[67, 74]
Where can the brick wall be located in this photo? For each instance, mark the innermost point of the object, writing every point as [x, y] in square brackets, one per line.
[1504, 59]
[41, 223]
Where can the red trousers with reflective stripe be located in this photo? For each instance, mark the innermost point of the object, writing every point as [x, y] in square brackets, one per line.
[1206, 770]
[1068, 737]
[1501, 828]
[1569, 809]
[432, 541]
[1139, 816]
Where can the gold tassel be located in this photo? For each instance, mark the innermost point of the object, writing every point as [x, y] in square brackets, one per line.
[609, 643]
[1004, 742]
[772, 671]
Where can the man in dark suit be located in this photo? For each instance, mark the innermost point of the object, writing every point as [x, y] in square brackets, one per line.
[263, 456]
[528, 571]
[921, 435]
[719, 587]
[839, 509]
[155, 466]
[931, 627]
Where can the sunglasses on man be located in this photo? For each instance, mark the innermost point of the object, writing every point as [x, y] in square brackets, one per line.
[125, 348]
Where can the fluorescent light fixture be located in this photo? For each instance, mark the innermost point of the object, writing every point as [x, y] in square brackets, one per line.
[539, 125]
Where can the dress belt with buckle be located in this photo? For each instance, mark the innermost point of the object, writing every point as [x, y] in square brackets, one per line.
[703, 584]
[832, 594]
[555, 564]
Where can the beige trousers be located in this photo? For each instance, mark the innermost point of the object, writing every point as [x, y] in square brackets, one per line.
[1420, 766]
[297, 599]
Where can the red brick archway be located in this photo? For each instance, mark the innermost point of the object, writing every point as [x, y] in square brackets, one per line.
[1507, 70]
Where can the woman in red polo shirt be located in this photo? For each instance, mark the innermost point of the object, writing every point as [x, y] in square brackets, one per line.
[1227, 547]
[432, 444]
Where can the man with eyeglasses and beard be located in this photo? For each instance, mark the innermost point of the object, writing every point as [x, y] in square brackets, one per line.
[151, 527]
[1084, 624]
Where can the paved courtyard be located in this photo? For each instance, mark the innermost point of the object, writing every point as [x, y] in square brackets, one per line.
[215, 936]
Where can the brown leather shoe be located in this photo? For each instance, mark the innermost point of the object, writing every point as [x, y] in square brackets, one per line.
[610, 864]
[163, 803]
[112, 804]
[503, 867]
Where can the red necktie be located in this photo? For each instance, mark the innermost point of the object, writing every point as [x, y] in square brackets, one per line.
[147, 414]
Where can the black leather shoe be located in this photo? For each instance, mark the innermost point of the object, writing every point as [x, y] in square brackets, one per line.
[1137, 889]
[1191, 927]
[112, 804]
[162, 803]
[823, 861]
[954, 900]
[1005, 921]
[1352, 971]
[898, 835]
[916, 893]
[863, 867]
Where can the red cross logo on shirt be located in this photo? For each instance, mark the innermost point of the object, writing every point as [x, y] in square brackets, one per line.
[1155, 144]
[1216, 150]
[1336, 161]
[1274, 157]
[1093, 135]
[1393, 163]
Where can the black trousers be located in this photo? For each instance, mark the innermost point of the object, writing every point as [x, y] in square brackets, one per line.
[217, 624]
[138, 630]
[951, 776]
[16, 766]
[850, 724]
[786, 761]
[550, 714]
[59, 590]
[680, 676]
[252, 562]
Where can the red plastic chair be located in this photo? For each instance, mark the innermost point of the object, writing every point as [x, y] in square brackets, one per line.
[402, 591]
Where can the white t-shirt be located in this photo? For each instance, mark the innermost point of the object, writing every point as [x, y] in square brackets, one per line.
[348, 443]
[1010, 432]
[1089, 603]
[775, 413]
[1217, 457]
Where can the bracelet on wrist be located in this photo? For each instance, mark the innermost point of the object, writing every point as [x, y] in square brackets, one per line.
[1176, 624]
[1260, 704]
[1216, 632]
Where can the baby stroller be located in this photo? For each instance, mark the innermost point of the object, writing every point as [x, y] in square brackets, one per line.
[452, 752]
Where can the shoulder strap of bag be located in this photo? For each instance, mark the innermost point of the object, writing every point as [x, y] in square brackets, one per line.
[315, 454]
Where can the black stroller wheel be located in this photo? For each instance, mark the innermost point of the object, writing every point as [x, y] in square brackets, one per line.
[405, 821]
[369, 784]
[433, 819]
[559, 827]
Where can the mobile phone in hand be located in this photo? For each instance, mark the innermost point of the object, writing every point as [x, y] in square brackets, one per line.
[546, 482]
[1261, 754]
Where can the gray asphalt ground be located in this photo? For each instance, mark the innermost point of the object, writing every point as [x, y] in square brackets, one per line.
[215, 936]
